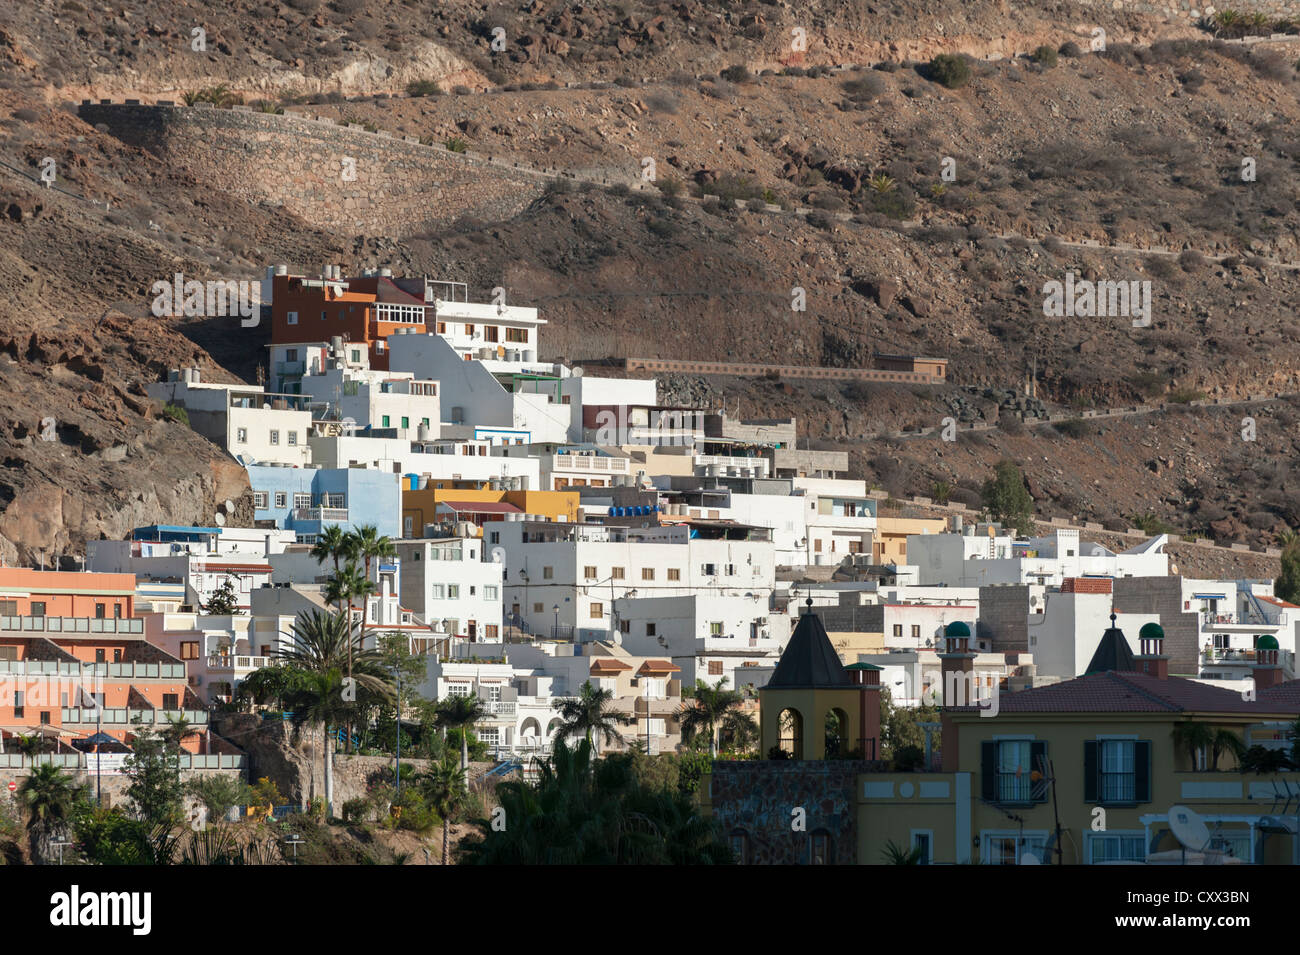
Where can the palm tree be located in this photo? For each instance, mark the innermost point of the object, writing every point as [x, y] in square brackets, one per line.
[739, 729]
[178, 730]
[317, 700]
[1225, 741]
[370, 544]
[1193, 737]
[895, 854]
[346, 585]
[460, 712]
[322, 644]
[332, 544]
[444, 789]
[50, 796]
[590, 714]
[707, 711]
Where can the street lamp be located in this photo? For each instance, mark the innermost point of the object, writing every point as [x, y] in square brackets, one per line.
[555, 628]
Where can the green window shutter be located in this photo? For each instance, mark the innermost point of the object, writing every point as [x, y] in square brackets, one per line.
[1142, 770]
[1090, 770]
[406, 422]
[385, 421]
[989, 770]
[1038, 762]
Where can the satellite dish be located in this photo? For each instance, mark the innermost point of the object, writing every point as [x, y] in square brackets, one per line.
[1029, 859]
[498, 555]
[220, 519]
[577, 373]
[1189, 828]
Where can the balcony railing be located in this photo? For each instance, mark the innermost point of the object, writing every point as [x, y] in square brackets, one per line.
[78, 761]
[290, 367]
[336, 514]
[72, 624]
[589, 462]
[500, 707]
[124, 716]
[126, 671]
[235, 661]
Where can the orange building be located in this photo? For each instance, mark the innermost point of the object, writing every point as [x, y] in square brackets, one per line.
[73, 660]
[360, 310]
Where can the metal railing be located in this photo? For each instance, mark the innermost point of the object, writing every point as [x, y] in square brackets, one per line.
[118, 716]
[236, 661]
[72, 624]
[500, 707]
[339, 514]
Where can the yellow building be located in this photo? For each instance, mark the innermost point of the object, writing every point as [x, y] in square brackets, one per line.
[434, 504]
[1085, 771]
[889, 546]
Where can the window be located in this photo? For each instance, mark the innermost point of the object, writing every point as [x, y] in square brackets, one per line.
[674, 573]
[709, 570]
[292, 318]
[491, 632]
[819, 848]
[647, 573]
[117, 608]
[1010, 848]
[442, 328]
[654, 688]
[18, 703]
[1115, 847]
[469, 329]
[259, 500]
[616, 573]
[291, 354]
[458, 689]
[898, 629]
[923, 839]
[518, 335]
[715, 668]
[275, 437]
[38, 608]
[437, 592]
[597, 611]
[538, 608]
[293, 438]
[1005, 767]
[715, 628]
[489, 592]
[548, 573]
[385, 421]
[406, 422]
[651, 630]
[731, 570]
[8, 608]
[589, 572]
[189, 649]
[625, 626]
[453, 591]
[492, 333]
[241, 436]
[1117, 771]
[281, 499]
[301, 499]
[171, 701]
[356, 356]
[425, 422]
[916, 631]
[45, 717]
[740, 846]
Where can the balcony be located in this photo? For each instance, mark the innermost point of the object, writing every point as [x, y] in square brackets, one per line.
[235, 662]
[589, 462]
[644, 706]
[126, 671]
[290, 367]
[72, 624]
[499, 708]
[122, 716]
[337, 515]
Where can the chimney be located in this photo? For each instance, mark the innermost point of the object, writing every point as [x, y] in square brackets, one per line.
[1268, 671]
[866, 676]
[958, 666]
[1152, 660]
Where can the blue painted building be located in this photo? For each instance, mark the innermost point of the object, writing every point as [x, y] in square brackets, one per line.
[305, 500]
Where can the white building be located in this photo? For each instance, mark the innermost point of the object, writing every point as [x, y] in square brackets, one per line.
[565, 466]
[218, 651]
[1064, 637]
[436, 462]
[253, 425]
[449, 585]
[977, 560]
[564, 578]
[364, 398]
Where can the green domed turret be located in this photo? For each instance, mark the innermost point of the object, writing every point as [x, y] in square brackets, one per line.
[1266, 643]
[1151, 631]
[958, 628]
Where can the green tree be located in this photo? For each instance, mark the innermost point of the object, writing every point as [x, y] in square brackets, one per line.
[1225, 741]
[1287, 585]
[949, 69]
[218, 793]
[1007, 499]
[460, 712]
[50, 797]
[580, 812]
[224, 601]
[706, 711]
[1192, 737]
[591, 715]
[445, 790]
[154, 773]
[333, 544]
[900, 726]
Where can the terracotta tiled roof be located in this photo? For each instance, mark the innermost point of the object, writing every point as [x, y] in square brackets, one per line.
[1086, 585]
[1114, 691]
[1280, 603]
[609, 665]
[657, 666]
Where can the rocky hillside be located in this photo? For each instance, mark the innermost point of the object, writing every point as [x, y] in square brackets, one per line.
[893, 256]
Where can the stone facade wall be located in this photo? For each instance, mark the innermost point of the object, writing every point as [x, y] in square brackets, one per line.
[1163, 595]
[1185, 10]
[298, 163]
[1004, 618]
[758, 798]
[853, 619]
